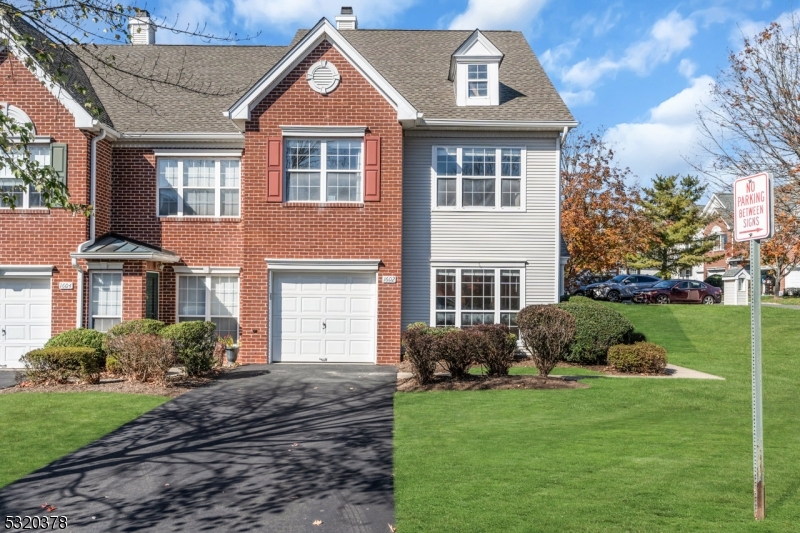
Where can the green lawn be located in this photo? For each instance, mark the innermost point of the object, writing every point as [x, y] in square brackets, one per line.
[38, 428]
[622, 455]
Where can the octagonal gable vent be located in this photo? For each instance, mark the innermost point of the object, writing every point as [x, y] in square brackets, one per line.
[323, 77]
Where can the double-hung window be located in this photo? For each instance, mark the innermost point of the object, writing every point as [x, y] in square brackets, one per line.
[466, 297]
[106, 300]
[25, 196]
[477, 81]
[478, 178]
[324, 171]
[210, 298]
[200, 187]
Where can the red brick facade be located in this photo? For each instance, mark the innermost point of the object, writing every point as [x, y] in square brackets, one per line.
[721, 263]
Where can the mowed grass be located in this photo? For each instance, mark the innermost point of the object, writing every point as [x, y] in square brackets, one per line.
[623, 455]
[38, 428]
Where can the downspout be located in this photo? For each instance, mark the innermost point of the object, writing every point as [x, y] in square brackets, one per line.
[84, 245]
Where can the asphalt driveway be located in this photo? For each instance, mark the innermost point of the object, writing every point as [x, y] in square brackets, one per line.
[266, 448]
[7, 378]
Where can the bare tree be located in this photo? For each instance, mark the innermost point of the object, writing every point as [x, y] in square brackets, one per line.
[65, 39]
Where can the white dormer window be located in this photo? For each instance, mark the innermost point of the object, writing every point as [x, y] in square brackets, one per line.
[475, 71]
[478, 81]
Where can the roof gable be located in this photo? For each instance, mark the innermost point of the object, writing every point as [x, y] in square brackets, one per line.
[476, 47]
[323, 31]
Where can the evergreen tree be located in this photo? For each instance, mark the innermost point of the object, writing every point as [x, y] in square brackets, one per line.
[674, 239]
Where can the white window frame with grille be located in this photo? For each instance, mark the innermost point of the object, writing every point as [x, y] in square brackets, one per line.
[459, 177]
[205, 274]
[181, 157]
[476, 266]
[113, 269]
[29, 189]
[323, 170]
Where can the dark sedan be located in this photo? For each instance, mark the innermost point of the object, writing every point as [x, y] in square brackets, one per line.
[620, 287]
[679, 291]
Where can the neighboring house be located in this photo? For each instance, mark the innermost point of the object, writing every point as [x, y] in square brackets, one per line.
[720, 207]
[322, 197]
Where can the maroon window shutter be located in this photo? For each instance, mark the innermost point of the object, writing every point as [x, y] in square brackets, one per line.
[275, 169]
[372, 169]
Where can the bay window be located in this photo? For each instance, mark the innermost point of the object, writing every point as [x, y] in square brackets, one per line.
[466, 297]
[25, 196]
[478, 178]
[106, 300]
[199, 187]
[323, 171]
[210, 298]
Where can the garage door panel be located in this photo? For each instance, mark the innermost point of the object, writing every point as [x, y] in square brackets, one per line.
[345, 303]
[16, 332]
[25, 313]
[40, 333]
[40, 311]
[14, 311]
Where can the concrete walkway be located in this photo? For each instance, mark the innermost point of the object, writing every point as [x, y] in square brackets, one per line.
[766, 304]
[265, 448]
[673, 371]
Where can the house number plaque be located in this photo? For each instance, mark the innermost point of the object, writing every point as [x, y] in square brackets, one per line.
[65, 285]
[390, 279]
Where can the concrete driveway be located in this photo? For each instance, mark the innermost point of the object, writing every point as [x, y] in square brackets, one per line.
[266, 448]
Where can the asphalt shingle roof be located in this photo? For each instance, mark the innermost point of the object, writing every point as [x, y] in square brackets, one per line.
[196, 83]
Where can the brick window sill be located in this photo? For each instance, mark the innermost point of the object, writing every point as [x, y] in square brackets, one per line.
[224, 220]
[324, 205]
[20, 211]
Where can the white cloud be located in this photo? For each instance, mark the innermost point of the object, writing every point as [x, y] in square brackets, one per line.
[687, 68]
[668, 36]
[659, 144]
[598, 25]
[577, 98]
[491, 15]
[285, 16]
[552, 58]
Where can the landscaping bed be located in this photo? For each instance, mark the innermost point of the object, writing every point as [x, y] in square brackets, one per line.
[490, 383]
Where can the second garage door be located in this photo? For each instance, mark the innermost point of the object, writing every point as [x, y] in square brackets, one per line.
[324, 317]
[24, 318]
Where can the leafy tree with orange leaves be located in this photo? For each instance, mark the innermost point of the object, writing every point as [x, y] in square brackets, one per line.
[599, 219]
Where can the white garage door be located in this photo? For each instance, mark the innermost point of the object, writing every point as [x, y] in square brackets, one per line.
[24, 317]
[324, 318]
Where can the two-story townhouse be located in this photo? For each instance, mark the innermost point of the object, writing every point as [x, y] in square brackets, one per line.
[312, 200]
[719, 208]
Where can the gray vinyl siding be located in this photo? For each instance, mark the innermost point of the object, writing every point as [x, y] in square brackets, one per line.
[530, 235]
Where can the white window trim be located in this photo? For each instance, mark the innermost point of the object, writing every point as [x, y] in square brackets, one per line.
[39, 140]
[198, 154]
[323, 132]
[481, 100]
[217, 188]
[323, 170]
[26, 271]
[498, 180]
[97, 270]
[207, 283]
[475, 266]
[214, 271]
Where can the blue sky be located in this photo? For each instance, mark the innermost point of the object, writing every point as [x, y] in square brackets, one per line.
[639, 69]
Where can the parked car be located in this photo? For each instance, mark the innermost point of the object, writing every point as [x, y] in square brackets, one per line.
[679, 291]
[587, 280]
[620, 287]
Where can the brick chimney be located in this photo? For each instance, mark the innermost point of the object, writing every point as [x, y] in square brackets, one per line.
[347, 20]
[141, 28]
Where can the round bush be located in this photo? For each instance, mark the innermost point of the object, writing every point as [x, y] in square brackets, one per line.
[59, 363]
[146, 326]
[597, 328]
[641, 357]
[194, 345]
[582, 300]
[547, 333]
[79, 338]
[420, 343]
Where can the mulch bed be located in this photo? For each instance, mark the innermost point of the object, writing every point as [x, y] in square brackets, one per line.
[174, 387]
[496, 383]
[604, 369]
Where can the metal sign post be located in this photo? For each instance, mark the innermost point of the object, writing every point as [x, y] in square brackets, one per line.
[754, 219]
[755, 336]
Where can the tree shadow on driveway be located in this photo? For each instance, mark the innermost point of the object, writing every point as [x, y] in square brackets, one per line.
[271, 452]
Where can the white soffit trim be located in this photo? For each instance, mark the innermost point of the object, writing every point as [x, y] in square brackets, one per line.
[83, 120]
[312, 265]
[200, 152]
[26, 271]
[206, 270]
[323, 30]
[453, 263]
[97, 265]
[323, 131]
[498, 124]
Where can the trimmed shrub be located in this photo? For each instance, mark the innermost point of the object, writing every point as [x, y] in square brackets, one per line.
[547, 333]
[147, 326]
[142, 356]
[112, 365]
[194, 345]
[583, 300]
[641, 357]
[457, 349]
[59, 363]
[495, 347]
[597, 328]
[420, 345]
[79, 338]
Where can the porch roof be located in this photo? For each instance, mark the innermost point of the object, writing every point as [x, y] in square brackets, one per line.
[113, 247]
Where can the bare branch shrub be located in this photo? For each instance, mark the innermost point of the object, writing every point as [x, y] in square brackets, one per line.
[143, 357]
[547, 332]
[421, 351]
[495, 347]
[457, 349]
